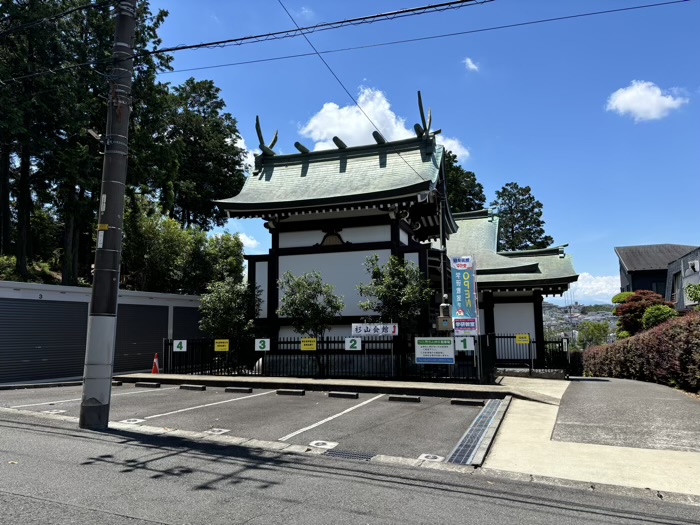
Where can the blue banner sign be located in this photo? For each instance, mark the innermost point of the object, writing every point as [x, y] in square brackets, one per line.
[465, 311]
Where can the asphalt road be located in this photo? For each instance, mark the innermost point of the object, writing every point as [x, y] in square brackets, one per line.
[370, 424]
[52, 472]
[625, 413]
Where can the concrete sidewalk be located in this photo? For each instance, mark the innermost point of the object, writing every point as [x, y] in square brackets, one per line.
[524, 445]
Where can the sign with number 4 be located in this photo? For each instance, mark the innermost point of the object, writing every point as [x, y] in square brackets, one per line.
[353, 343]
[180, 345]
[262, 345]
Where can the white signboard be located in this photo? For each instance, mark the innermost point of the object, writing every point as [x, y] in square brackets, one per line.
[180, 345]
[464, 344]
[353, 343]
[262, 345]
[435, 351]
[361, 329]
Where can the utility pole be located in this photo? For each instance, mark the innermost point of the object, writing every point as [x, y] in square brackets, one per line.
[102, 322]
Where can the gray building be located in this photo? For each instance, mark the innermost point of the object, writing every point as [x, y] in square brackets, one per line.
[646, 267]
[683, 271]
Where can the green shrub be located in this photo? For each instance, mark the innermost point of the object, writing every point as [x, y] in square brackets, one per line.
[657, 314]
[630, 312]
[7, 267]
[668, 354]
[622, 334]
[622, 297]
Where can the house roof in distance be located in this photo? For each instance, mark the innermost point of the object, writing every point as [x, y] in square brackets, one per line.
[550, 268]
[382, 172]
[650, 256]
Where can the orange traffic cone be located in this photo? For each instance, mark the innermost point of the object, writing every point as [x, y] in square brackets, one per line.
[156, 368]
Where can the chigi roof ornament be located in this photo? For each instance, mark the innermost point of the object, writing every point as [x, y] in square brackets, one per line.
[424, 130]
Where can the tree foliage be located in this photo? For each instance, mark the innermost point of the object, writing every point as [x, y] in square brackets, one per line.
[310, 305]
[631, 312]
[692, 291]
[520, 219]
[592, 334]
[464, 193]
[397, 292]
[160, 256]
[182, 142]
[228, 309]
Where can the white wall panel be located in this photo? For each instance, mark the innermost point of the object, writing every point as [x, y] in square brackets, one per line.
[343, 270]
[380, 233]
[304, 238]
[403, 237]
[514, 318]
[261, 281]
[412, 257]
[333, 331]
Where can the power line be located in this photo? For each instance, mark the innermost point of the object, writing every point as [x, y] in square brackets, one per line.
[301, 31]
[432, 37]
[368, 46]
[39, 21]
[455, 4]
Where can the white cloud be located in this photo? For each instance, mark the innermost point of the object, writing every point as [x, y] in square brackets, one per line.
[305, 13]
[353, 127]
[456, 147]
[590, 288]
[470, 65]
[249, 155]
[249, 242]
[644, 100]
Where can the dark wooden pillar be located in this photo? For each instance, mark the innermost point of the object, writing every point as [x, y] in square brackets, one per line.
[539, 324]
[489, 318]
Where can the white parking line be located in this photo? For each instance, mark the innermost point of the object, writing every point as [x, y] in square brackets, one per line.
[80, 399]
[289, 436]
[210, 404]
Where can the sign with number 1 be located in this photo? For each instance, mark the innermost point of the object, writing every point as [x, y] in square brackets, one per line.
[180, 345]
[262, 345]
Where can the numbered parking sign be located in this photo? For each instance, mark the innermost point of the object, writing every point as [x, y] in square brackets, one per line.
[464, 344]
[180, 345]
[262, 345]
[353, 343]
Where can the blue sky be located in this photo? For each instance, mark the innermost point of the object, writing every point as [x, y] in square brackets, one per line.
[599, 115]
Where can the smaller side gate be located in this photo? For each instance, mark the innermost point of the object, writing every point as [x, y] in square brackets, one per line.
[511, 354]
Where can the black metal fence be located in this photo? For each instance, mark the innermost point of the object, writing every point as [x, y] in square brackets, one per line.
[512, 354]
[376, 358]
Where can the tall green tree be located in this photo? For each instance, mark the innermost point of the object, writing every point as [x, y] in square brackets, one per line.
[397, 292]
[464, 193]
[520, 219]
[209, 163]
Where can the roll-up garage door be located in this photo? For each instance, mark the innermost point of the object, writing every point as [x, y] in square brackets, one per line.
[41, 339]
[140, 333]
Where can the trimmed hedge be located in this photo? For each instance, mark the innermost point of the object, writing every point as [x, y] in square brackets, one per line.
[668, 354]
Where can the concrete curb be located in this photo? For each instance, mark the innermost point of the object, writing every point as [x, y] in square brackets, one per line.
[448, 390]
[491, 432]
[21, 386]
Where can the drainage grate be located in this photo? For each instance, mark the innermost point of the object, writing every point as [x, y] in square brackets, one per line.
[464, 452]
[349, 454]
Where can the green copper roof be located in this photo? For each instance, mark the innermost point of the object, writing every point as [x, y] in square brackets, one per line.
[477, 236]
[362, 174]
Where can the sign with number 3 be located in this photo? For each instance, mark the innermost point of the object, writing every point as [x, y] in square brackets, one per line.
[262, 345]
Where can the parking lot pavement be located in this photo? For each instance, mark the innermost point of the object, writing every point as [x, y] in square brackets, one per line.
[370, 424]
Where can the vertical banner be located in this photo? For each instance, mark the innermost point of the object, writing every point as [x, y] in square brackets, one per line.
[465, 311]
